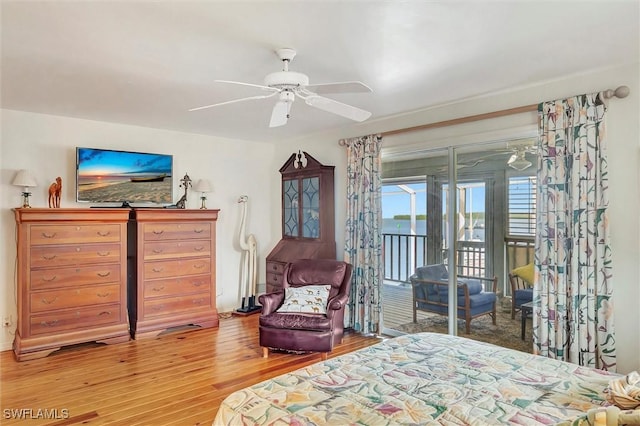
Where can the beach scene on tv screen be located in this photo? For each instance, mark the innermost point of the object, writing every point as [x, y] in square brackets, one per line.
[117, 176]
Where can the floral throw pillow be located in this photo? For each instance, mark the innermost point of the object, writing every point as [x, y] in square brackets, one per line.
[311, 299]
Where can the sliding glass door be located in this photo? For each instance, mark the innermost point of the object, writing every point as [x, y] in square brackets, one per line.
[420, 231]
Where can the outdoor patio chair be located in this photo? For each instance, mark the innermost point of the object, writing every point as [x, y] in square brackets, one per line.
[431, 294]
[521, 280]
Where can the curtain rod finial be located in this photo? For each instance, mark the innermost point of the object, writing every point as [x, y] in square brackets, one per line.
[620, 92]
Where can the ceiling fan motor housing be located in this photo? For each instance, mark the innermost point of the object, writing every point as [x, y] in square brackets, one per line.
[286, 80]
[287, 96]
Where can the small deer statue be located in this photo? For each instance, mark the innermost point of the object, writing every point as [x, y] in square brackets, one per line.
[55, 189]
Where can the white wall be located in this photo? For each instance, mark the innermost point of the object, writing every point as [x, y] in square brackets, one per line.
[45, 144]
[623, 136]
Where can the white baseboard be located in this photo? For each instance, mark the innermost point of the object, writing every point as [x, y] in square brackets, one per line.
[6, 346]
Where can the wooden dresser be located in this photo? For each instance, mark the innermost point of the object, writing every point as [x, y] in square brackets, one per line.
[173, 262]
[71, 278]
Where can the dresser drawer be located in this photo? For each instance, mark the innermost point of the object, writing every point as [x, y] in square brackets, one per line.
[74, 254]
[274, 279]
[43, 279]
[275, 267]
[161, 231]
[42, 301]
[274, 283]
[174, 305]
[270, 288]
[173, 249]
[176, 268]
[65, 234]
[176, 286]
[74, 319]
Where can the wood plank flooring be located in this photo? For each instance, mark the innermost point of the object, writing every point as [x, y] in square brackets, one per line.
[179, 378]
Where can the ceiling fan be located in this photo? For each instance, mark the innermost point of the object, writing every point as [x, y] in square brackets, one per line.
[518, 160]
[287, 85]
[516, 153]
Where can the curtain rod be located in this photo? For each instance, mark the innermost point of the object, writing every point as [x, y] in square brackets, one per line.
[620, 92]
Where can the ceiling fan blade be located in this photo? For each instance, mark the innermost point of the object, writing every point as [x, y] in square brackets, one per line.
[235, 101]
[239, 83]
[343, 87]
[280, 114]
[338, 108]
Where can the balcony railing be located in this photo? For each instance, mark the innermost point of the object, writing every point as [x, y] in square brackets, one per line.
[403, 253]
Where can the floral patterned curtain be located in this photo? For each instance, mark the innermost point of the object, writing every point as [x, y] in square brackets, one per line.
[573, 313]
[363, 240]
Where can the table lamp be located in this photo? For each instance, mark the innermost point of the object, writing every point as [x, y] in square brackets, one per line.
[24, 179]
[203, 186]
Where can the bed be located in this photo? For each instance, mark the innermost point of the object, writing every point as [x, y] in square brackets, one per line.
[423, 378]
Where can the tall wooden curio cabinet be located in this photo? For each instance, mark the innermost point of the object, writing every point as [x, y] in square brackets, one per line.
[308, 216]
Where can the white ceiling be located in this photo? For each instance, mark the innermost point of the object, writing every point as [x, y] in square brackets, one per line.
[146, 63]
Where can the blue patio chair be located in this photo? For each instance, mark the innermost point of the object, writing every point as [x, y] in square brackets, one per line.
[521, 292]
[476, 295]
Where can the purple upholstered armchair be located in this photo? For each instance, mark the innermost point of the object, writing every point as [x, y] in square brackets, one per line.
[307, 315]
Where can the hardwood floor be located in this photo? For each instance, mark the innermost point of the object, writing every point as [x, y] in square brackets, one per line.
[179, 378]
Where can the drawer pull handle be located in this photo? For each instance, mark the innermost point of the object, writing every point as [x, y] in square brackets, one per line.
[104, 253]
[104, 234]
[198, 283]
[104, 313]
[49, 323]
[199, 266]
[44, 234]
[49, 279]
[160, 232]
[104, 274]
[274, 267]
[158, 288]
[199, 248]
[198, 301]
[157, 269]
[103, 294]
[198, 231]
[157, 251]
[49, 302]
[45, 257]
[157, 308]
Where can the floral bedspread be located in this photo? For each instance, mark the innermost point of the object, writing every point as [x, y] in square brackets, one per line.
[423, 378]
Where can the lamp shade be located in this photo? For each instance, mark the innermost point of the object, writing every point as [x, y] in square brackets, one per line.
[24, 178]
[203, 185]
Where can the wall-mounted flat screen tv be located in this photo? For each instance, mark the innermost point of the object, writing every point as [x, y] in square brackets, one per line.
[109, 176]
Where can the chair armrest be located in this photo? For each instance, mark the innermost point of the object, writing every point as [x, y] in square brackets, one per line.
[271, 301]
[493, 280]
[338, 301]
[444, 285]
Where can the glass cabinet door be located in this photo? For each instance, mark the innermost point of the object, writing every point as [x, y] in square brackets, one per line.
[311, 207]
[290, 211]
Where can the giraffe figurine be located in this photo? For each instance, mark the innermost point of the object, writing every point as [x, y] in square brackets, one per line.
[186, 184]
